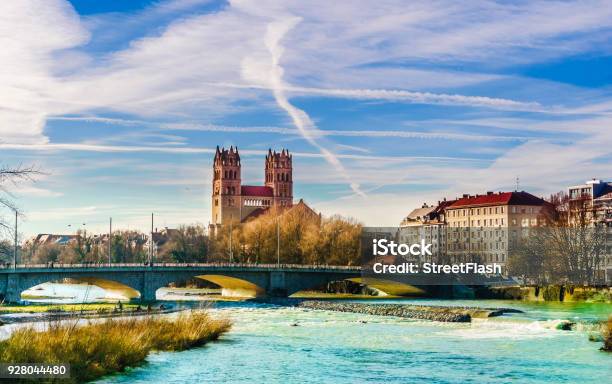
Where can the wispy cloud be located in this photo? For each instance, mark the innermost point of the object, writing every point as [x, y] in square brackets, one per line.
[274, 34]
[162, 126]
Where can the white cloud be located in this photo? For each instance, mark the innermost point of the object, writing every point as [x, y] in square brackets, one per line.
[339, 37]
[31, 190]
[421, 98]
[30, 33]
[201, 66]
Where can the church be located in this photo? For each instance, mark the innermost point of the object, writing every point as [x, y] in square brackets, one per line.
[234, 202]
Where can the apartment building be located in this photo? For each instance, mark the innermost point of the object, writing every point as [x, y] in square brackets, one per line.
[428, 223]
[593, 201]
[483, 227]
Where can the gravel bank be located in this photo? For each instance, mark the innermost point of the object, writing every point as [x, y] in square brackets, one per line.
[421, 312]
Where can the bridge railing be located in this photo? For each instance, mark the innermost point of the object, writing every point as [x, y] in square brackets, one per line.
[180, 265]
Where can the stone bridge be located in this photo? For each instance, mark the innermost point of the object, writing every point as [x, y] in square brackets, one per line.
[142, 281]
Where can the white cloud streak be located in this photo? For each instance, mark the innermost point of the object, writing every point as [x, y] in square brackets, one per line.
[161, 126]
[274, 34]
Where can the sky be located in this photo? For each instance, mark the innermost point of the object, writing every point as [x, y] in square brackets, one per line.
[385, 105]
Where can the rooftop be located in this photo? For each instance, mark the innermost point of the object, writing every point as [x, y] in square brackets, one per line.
[256, 190]
[500, 198]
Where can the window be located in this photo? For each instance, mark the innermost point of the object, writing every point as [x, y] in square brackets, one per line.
[513, 209]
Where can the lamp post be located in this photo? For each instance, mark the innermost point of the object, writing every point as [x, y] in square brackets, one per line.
[15, 250]
[110, 241]
[277, 242]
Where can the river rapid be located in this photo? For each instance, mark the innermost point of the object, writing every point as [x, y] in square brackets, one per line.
[294, 345]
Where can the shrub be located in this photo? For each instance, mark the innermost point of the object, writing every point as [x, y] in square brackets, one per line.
[102, 347]
[607, 334]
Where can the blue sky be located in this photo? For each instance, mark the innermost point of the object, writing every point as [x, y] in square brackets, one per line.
[385, 105]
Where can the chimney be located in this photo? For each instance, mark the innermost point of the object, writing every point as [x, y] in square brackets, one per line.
[465, 195]
[489, 193]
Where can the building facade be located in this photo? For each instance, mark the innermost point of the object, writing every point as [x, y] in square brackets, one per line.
[592, 197]
[428, 223]
[592, 201]
[484, 227]
[234, 202]
[474, 228]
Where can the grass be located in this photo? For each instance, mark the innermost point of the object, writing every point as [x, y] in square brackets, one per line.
[99, 348]
[39, 308]
[607, 334]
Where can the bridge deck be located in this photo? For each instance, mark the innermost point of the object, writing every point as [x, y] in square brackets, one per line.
[56, 267]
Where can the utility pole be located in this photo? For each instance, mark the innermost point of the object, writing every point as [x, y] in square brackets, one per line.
[110, 242]
[15, 250]
[277, 242]
[151, 242]
[230, 243]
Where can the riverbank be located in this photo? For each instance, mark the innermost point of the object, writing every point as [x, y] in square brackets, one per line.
[11, 314]
[100, 348]
[548, 293]
[420, 312]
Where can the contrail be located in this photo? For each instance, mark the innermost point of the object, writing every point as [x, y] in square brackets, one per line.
[301, 120]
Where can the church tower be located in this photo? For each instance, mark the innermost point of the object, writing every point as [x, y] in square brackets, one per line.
[226, 192]
[279, 177]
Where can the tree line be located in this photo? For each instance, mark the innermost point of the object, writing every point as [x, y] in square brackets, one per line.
[295, 236]
[569, 248]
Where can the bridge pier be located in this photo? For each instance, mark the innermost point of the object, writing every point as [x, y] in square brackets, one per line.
[13, 288]
[149, 287]
[277, 285]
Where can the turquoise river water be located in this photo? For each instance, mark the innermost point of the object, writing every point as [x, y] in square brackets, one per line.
[270, 344]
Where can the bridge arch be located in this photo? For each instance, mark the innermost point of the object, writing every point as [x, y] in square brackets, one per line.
[229, 284]
[389, 287]
[117, 288]
[234, 286]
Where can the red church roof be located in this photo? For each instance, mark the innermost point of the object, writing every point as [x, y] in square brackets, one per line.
[256, 190]
[501, 198]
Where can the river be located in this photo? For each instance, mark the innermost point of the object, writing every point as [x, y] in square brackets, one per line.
[290, 345]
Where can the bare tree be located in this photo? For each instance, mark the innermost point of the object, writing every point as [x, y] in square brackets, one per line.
[568, 248]
[12, 176]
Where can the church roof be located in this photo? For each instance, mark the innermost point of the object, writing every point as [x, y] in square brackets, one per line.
[255, 213]
[256, 190]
